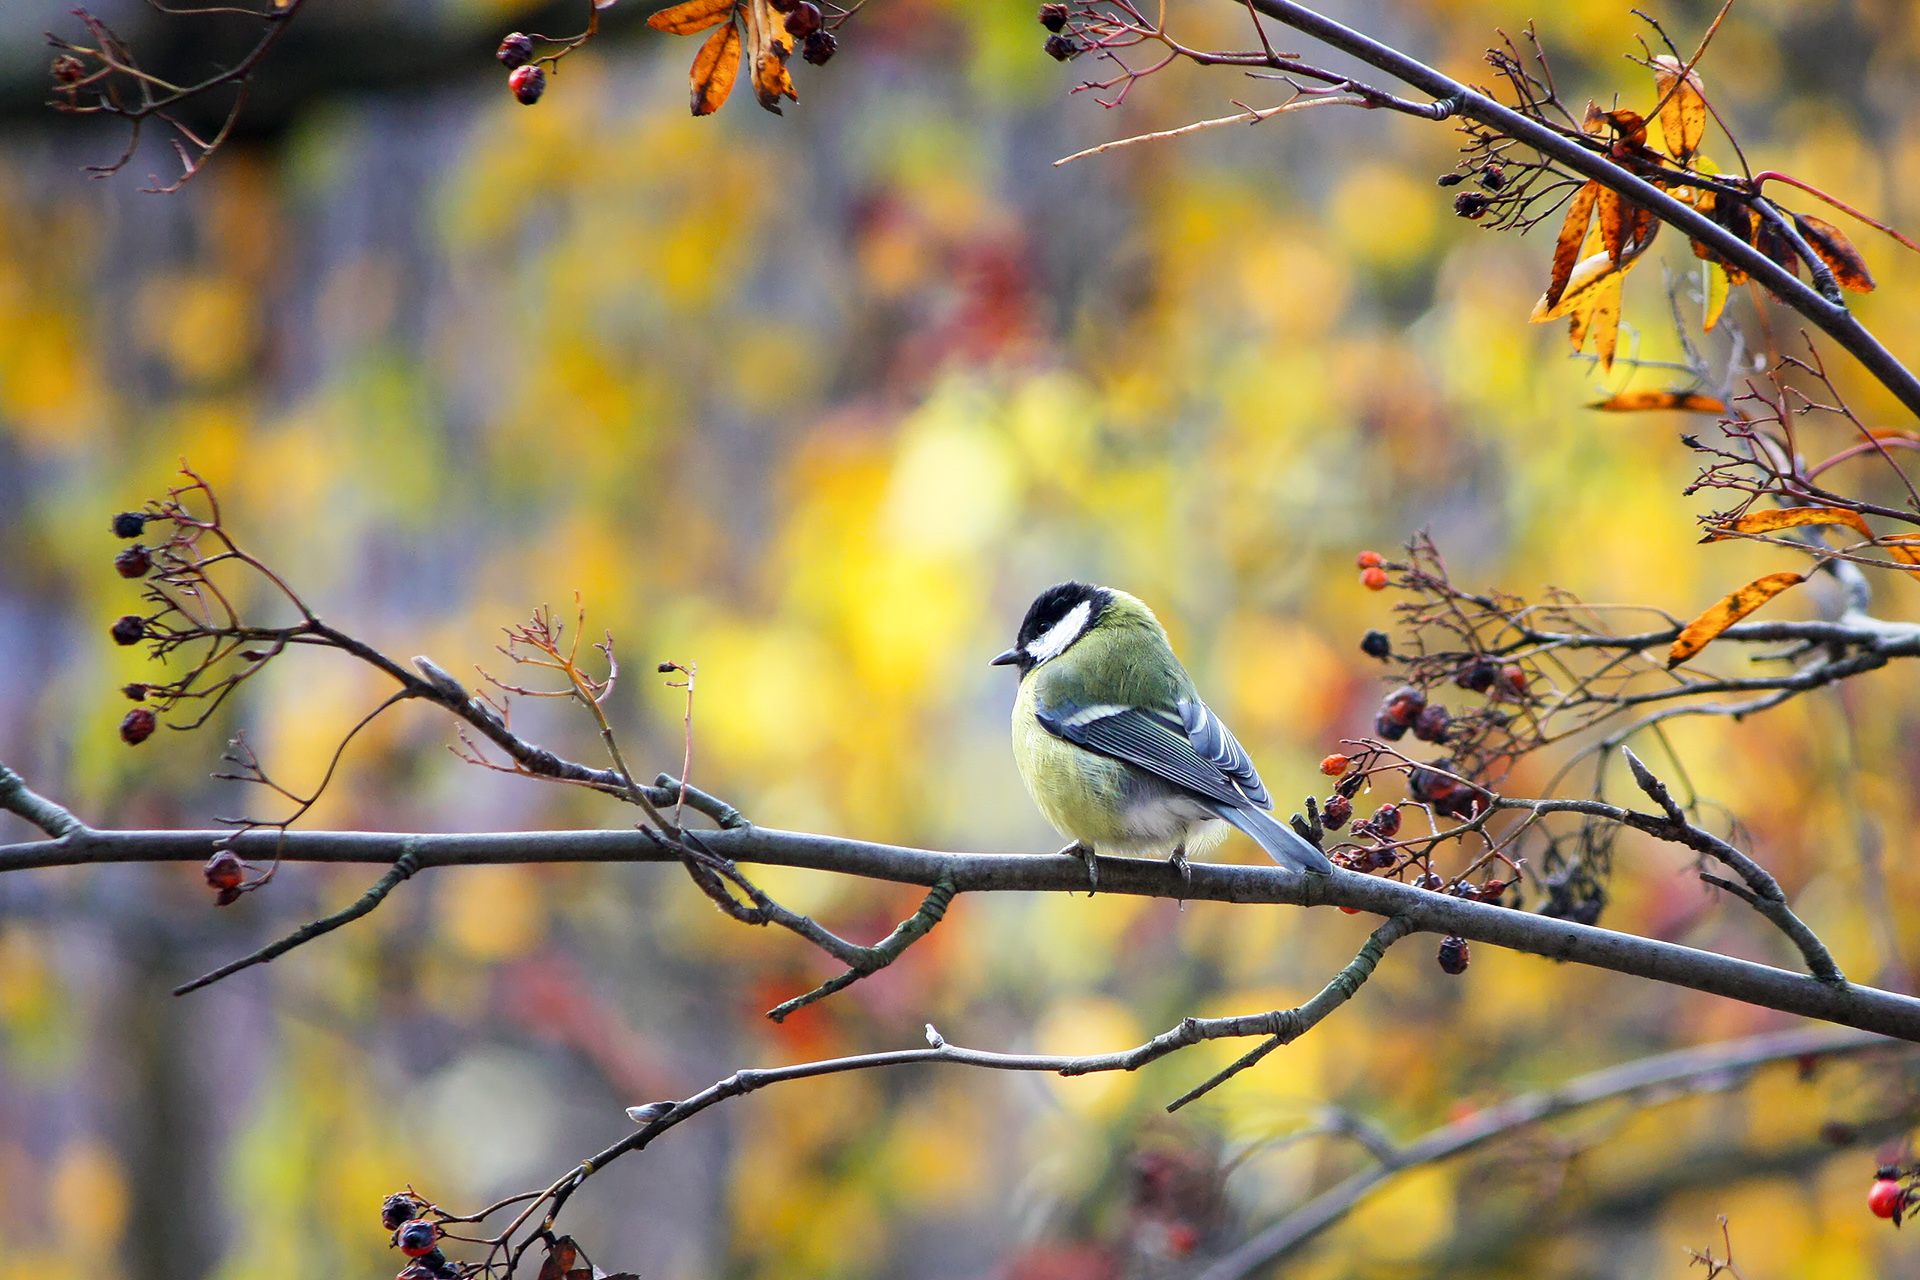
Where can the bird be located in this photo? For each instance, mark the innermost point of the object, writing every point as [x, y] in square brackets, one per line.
[1115, 745]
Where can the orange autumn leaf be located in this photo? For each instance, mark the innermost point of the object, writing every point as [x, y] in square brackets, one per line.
[694, 15]
[1683, 108]
[1904, 548]
[1623, 224]
[768, 47]
[1703, 630]
[1573, 233]
[1848, 267]
[1789, 518]
[714, 70]
[1644, 401]
[1599, 318]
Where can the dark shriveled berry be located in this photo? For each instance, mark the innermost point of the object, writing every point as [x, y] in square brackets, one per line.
[224, 870]
[515, 51]
[528, 83]
[129, 629]
[137, 692]
[134, 562]
[1431, 724]
[416, 1237]
[1381, 859]
[1060, 48]
[1404, 705]
[1389, 728]
[1335, 812]
[128, 524]
[1386, 820]
[68, 69]
[1452, 179]
[228, 896]
[1454, 956]
[804, 20]
[418, 1271]
[1053, 16]
[1471, 205]
[819, 48]
[1376, 644]
[138, 725]
[398, 1207]
[1477, 675]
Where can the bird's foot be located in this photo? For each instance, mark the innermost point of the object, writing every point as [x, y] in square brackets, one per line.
[1179, 863]
[1085, 853]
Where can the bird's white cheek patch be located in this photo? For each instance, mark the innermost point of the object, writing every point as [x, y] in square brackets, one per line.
[1061, 634]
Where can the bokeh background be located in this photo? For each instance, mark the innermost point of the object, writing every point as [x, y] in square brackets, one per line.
[819, 403]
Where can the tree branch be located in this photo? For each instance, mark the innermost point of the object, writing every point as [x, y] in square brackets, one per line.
[1719, 1066]
[1832, 317]
[1844, 1003]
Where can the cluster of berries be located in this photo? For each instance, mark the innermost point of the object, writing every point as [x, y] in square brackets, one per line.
[1407, 708]
[135, 561]
[1373, 573]
[416, 1237]
[806, 24]
[1893, 1190]
[1473, 205]
[1060, 46]
[525, 77]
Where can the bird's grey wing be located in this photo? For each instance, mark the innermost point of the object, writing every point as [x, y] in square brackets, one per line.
[1214, 741]
[1150, 740]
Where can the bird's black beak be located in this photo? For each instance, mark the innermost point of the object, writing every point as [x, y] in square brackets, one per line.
[1007, 659]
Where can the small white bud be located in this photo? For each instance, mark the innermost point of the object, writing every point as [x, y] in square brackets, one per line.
[649, 1113]
[934, 1038]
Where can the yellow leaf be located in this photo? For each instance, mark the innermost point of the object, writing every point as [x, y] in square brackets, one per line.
[1683, 114]
[1790, 518]
[1573, 230]
[714, 69]
[1716, 291]
[694, 15]
[1645, 401]
[1598, 317]
[1590, 275]
[1702, 631]
[1904, 548]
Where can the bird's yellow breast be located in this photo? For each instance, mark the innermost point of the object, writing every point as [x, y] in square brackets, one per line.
[1080, 793]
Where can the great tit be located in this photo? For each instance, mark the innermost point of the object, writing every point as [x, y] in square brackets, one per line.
[1115, 745]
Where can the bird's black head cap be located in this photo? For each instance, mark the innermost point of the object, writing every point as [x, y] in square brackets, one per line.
[1059, 616]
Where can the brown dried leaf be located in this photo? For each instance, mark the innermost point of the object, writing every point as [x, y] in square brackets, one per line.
[1703, 630]
[1629, 128]
[768, 47]
[1683, 115]
[714, 69]
[694, 15]
[1613, 223]
[1789, 518]
[560, 1258]
[1573, 233]
[1643, 401]
[1848, 267]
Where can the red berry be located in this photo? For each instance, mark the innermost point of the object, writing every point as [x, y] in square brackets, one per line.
[1374, 579]
[1335, 765]
[133, 562]
[515, 51]
[1367, 560]
[416, 1237]
[1386, 820]
[1352, 911]
[528, 83]
[1453, 955]
[804, 20]
[1513, 680]
[138, 725]
[1336, 811]
[1404, 705]
[224, 870]
[1886, 1199]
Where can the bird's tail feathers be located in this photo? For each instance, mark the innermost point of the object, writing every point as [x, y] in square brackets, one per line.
[1281, 842]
